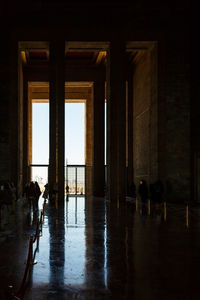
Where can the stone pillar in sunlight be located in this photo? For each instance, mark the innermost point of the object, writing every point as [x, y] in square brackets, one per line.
[57, 113]
[116, 122]
[98, 174]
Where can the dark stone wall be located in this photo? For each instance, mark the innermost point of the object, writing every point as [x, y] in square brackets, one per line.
[162, 132]
[177, 107]
[4, 108]
[195, 108]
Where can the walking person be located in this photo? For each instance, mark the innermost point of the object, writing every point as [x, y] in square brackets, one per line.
[143, 191]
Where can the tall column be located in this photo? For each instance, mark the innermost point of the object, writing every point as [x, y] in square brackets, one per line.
[116, 122]
[98, 139]
[57, 113]
[26, 125]
[89, 143]
[130, 126]
[14, 116]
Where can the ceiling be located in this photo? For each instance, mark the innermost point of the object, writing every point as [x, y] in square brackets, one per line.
[72, 58]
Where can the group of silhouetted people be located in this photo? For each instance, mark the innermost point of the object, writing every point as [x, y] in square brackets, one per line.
[8, 196]
[154, 192]
[7, 192]
[32, 192]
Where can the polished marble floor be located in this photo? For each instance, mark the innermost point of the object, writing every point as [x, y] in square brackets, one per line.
[93, 249]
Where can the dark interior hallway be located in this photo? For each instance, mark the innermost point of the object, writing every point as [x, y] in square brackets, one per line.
[135, 67]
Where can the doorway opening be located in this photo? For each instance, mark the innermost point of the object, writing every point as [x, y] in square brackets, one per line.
[38, 132]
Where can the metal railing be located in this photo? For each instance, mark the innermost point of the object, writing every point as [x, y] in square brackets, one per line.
[74, 178]
[10, 294]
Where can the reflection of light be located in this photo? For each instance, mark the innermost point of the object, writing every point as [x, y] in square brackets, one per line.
[105, 251]
[75, 240]
[42, 272]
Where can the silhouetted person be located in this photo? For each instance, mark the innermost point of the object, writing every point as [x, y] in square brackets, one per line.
[143, 191]
[67, 192]
[37, 189]
[132, 190]
[14, 191]
[31, 194]
[38, 193]
[26, 188]
[46, 191]
[67, 189]
[158, 191]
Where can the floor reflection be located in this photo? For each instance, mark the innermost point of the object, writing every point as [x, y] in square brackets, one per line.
[74, 240]
[96, 250]
[93, 249]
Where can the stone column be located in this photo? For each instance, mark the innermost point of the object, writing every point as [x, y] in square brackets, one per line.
[30, 130]
[26, 125]
[98, 174]
[130, 127]
[14, 116]
[57, 113]
[89, 143]
[116, 122]
[6, 108]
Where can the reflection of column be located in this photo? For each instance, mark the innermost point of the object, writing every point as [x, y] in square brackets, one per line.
[76, 210]
[96, 266]
[57, 248]
[120, 260]
[76, 180]
[98, 139]
[57, 108]
[116, 122]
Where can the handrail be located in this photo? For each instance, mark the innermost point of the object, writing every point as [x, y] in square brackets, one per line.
[37, 231]
[9, 293]
[28, 265]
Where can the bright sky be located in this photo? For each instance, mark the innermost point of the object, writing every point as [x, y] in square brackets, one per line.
[74, 135]
[40, 133]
